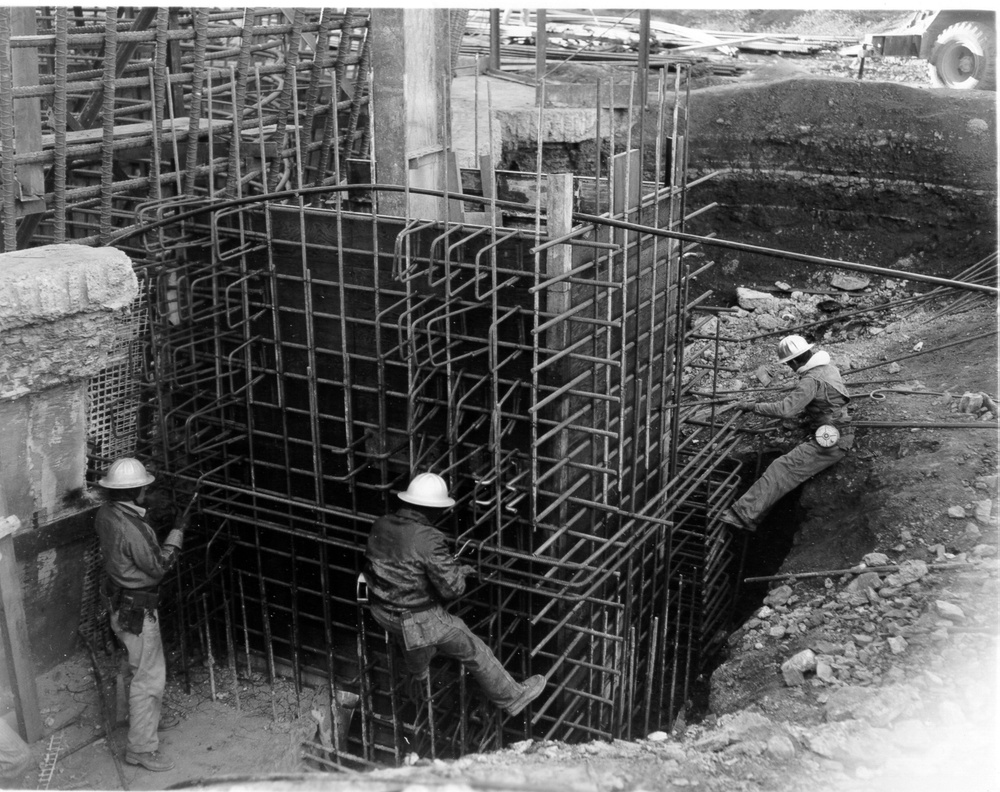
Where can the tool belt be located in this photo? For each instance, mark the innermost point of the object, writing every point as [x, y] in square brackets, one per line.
[395, 610]
[131, 605]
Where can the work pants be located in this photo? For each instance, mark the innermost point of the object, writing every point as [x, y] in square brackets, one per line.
[786, 473]
[422, 635]
[149, 680]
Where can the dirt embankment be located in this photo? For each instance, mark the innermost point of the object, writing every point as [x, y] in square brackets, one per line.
[857, 171]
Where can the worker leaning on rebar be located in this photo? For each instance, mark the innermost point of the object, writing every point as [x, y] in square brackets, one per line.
[134, 565]
[410, 575]
[821, 399]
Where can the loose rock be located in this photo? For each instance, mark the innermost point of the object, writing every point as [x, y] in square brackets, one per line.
[949, 611]
[797, 666]
[751, 299]
[875, 559]
[781, 747]
[778, 596]
[849, 282]
[910, 571]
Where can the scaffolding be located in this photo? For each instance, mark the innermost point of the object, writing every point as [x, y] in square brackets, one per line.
[305, 355]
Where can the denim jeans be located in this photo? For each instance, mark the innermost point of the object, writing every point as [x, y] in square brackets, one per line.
[422, 635]
[149, 680]
[786, 473]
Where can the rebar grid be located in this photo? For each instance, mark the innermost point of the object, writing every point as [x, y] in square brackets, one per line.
[165, 102]
[552, 376]
[304, 360]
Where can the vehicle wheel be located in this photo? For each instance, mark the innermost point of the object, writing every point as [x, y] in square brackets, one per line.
[964, 56]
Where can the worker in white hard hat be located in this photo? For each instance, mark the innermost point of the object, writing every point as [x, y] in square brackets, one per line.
[134, 564]
[820, 397]
[411, 575]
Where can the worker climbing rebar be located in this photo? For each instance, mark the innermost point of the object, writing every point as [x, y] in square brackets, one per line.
[410, 573]
[821, 399]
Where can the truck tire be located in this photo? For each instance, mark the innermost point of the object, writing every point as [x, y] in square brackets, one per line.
[964, 57]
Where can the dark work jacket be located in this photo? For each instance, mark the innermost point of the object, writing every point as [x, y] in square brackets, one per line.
[821, 397]
[133, 558]
[407, 563]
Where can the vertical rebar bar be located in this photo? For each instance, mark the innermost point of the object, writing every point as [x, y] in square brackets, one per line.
[108, 84]
[7, 172]
[209, 656]
[59, 120]
[231, 654]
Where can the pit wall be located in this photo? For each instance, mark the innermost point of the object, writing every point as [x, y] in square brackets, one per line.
[58, 306]
[870, 172]
[876, 173]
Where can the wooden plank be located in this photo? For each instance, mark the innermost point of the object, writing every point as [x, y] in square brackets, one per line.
[27, 115]
[14, 634]
[541, 45]
[559, 300]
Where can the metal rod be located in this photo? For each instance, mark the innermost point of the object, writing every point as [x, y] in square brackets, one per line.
[855, 570]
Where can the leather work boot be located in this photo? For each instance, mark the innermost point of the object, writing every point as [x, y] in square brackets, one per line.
[152, 760]
[533, 687]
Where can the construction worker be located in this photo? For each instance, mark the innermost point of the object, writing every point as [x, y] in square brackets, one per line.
[822, 397]
[134, 565]
[410, 575]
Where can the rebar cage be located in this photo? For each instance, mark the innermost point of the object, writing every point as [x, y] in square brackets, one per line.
[318, 358]
[304, 355]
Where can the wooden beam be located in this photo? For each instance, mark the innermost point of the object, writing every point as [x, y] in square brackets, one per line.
[27, 114]
[494, 38]
[14, 635]
[541, 44]
[643, 66]
[559, 300]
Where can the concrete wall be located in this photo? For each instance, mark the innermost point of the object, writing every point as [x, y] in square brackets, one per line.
[409, 97]
[58, 306]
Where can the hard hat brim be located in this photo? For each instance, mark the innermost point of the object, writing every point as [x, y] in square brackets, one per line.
[786, 358]
[442, 503]
[149, 479]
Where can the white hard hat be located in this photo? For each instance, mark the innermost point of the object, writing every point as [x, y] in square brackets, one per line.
[427, 489]
[791, 347]
[126, 473]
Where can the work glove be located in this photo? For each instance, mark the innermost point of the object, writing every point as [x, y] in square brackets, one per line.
[745, 406]
[467, 570]
[175, 538]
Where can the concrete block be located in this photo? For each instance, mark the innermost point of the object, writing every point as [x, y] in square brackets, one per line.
[47, 283]
[59, 314]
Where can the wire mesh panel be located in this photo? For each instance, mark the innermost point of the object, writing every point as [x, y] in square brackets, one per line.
[145, 103]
